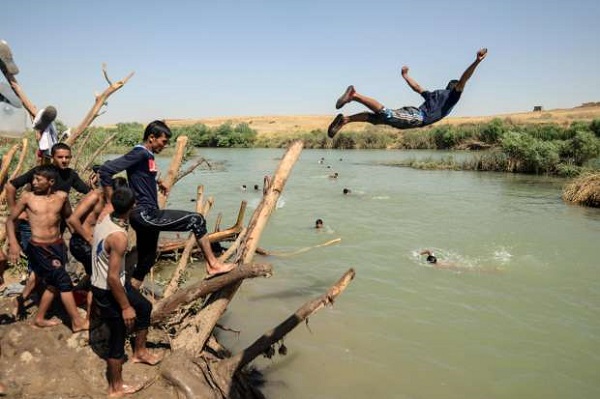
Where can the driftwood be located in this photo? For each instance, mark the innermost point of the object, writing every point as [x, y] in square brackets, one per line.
[100, 101]
[217, 236]
[185, 256]
[169, 180]
[225, 369]
[194, 337]
[167, 306]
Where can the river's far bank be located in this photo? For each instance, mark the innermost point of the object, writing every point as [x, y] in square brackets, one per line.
[292, 125]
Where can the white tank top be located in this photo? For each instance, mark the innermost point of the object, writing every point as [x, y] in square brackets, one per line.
[99, 256]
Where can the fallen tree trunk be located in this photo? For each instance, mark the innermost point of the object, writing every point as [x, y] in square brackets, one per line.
[203, 323]
[167, 306]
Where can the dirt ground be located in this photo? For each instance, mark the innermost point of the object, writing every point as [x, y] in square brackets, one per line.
[55, 363]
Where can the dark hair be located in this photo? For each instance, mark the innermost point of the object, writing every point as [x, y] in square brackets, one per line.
[346, 191]
[431, 259]
[157, 129]
[47, 171]
[452, 84]
[122, 200]
[96, 168]
[119, 182]
[59, 146]
[318, 221]
[256, 186]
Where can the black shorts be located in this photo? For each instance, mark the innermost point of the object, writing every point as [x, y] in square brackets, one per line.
[111, 312]
[82, 251]
[48, 262]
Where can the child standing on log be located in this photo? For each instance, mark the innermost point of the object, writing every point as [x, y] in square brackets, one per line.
[146, 218]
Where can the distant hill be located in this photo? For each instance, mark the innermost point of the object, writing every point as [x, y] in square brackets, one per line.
[286, 124]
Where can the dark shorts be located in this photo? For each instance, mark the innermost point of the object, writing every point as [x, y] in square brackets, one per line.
[48, 262]
[401, 118]
[82, 251]
[148, 223]
[24, 232]
[111, 312]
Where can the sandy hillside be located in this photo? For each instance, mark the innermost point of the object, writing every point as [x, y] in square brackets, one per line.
[276, 125]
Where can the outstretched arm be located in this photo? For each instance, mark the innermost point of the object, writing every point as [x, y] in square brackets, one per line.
[411, 82]
[469, 72]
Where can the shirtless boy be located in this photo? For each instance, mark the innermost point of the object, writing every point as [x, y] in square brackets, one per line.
[45, 209]
[122, 307]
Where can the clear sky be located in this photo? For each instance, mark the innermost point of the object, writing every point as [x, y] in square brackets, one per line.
[198, 58]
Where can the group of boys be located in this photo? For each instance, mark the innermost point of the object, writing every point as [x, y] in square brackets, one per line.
[99, 241]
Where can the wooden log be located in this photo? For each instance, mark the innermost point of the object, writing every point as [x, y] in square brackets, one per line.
[17, 171]
[191, 169]
[100, 101]
[169, 180]
[18, 90]
[225, 369]
[185, 256]
[5, 166]
[205, 321]
[167, 306]
[6, 160]
[90, 161]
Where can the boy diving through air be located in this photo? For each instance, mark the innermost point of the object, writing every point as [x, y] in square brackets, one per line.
[437, 104]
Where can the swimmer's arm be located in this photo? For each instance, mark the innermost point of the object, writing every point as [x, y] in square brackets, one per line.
[425, 252]
[66, 211]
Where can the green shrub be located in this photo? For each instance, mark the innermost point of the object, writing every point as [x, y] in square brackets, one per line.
[527, 154]
[491, 132]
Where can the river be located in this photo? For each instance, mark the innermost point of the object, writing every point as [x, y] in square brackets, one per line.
[521, 319]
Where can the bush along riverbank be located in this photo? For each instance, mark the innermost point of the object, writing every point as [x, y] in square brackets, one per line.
[536, 148]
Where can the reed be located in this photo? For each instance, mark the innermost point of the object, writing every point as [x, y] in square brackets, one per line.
[585, 190]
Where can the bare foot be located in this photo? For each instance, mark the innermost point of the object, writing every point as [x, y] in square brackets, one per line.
[44, 323]
[218, 268]
[81, 325]
[125, 390]
[147, 357]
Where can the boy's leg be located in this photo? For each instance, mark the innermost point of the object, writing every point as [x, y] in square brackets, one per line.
[352, 95]
[143, 311]
[78, 323]
[45, 303]
[147, 222]
[340, 121]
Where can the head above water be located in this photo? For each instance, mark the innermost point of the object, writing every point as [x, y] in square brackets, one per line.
[431, 259]
[451, 84]
[318, 223]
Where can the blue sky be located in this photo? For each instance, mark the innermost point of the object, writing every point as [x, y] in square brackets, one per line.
[197, 59]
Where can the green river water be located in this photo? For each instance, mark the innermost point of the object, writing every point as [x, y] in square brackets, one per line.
[520, 321]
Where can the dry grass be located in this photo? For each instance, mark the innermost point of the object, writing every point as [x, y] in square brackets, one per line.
[585, 190]
[270, 126]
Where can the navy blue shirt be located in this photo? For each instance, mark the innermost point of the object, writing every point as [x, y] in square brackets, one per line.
[141, 174]
[67, 179]
[438, 104]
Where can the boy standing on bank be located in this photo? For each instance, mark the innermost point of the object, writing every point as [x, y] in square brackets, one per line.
[46, 250]
[123, 308]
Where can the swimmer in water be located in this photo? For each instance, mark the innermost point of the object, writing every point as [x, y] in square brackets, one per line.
[449, 265]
